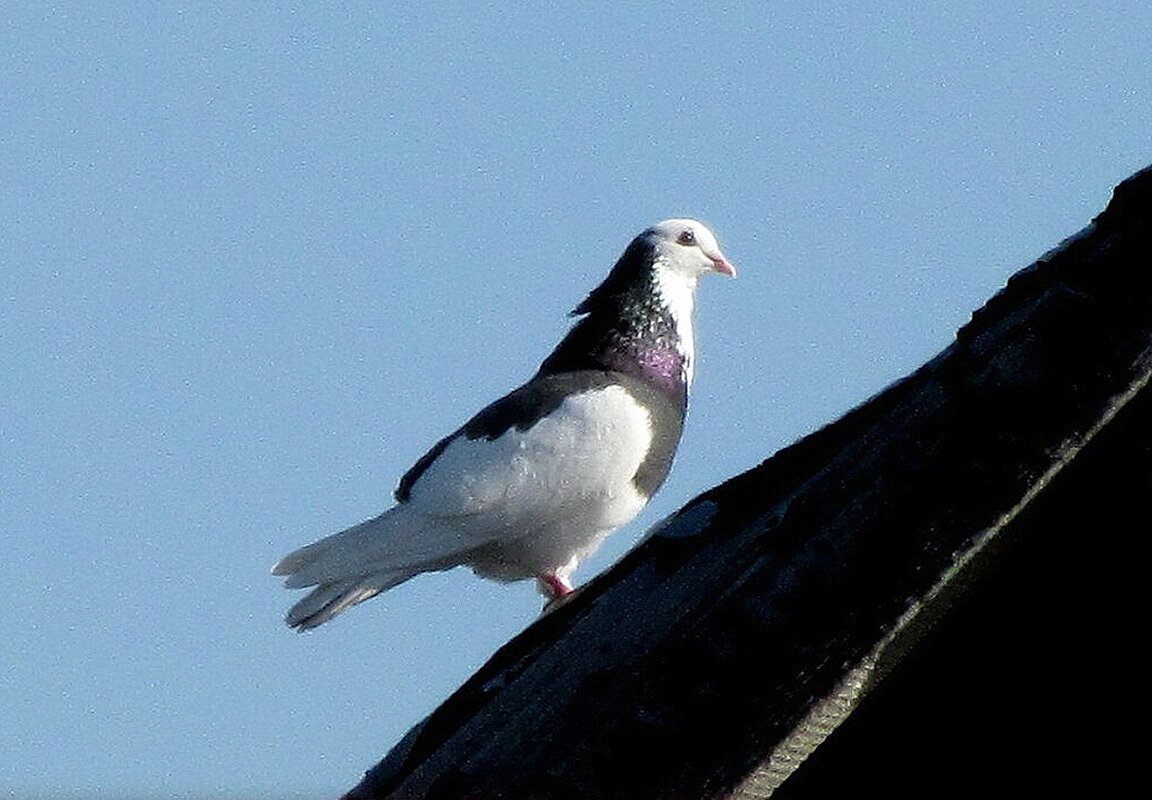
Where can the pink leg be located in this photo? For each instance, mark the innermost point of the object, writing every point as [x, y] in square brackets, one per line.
[553, 586]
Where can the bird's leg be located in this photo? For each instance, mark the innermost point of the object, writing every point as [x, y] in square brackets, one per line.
[556, 589]
[553, 586]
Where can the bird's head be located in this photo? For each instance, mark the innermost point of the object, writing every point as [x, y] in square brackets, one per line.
[686, 247]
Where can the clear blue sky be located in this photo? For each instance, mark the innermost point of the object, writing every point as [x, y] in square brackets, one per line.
[256, 258]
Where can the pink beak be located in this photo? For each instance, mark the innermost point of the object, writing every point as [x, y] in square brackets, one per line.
[722, 265]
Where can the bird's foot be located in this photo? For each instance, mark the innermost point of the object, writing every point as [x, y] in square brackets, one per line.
[556, 590]
[553, 586]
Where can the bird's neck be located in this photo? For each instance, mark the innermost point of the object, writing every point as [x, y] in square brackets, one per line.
[644, 331]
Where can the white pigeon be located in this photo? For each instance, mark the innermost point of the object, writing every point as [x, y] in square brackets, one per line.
[534, 482]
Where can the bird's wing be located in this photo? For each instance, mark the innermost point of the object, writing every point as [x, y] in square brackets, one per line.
[515, 468]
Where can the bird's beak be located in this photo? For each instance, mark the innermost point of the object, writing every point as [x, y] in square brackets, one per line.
[722, 265]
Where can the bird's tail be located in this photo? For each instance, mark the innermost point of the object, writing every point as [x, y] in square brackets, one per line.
[335, 597]
[361, 562]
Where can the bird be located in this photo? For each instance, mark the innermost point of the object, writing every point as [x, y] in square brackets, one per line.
[534, 482]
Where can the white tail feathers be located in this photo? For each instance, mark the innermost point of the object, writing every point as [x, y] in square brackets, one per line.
[361, 562]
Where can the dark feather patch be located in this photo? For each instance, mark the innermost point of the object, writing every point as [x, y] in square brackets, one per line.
[627, 329]
[404, 488]
[632, 268]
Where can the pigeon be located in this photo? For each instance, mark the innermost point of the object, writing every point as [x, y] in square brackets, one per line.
[536, 481]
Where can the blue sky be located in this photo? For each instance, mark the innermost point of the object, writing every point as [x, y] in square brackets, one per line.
[255, 259]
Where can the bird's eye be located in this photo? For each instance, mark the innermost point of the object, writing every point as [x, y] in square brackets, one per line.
[687, 237]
